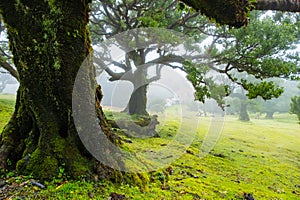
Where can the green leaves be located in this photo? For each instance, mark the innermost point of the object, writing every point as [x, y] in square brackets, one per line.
[261, 51]
[264, 89]
[205, 86]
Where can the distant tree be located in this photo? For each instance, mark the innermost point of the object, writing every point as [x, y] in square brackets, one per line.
[295, 106]
[243, 101]
[6, 65]
[260, 50]
[110, 18]
[280, 104]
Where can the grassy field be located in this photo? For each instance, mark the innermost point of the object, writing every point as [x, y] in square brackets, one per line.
[261, 157]
[7, 102]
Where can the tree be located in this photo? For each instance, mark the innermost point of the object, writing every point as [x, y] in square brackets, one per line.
[238, 52]
[259, 51]
[280, 104]
[5, 57]
[110, 18]
[295, 106]
[243, 101]
[235, 12]
[49, 41]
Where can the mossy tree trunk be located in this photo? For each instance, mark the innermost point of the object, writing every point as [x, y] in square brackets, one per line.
[235, 12]
[49, 41]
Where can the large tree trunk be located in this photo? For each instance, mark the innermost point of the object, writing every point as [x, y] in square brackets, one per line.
[138, 101]
[49, 41]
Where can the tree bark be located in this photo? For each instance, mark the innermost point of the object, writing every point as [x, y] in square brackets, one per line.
[281, 5]
[235, 12]
[286, 5]
[138, 101]
[49, 41]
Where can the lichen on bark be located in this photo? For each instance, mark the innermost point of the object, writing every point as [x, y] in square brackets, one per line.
[49, 41]
[231, 12]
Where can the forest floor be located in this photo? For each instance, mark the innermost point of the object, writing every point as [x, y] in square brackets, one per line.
[259, 159]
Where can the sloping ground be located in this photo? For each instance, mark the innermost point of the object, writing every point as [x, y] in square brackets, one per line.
[259, 159]
[7, 102]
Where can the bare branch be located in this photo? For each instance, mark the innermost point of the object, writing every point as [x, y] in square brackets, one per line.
[10, 69]
[158, 74]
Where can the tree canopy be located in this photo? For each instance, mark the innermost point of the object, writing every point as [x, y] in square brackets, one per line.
[262, 50]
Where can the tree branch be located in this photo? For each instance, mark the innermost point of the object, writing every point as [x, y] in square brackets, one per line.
[10, 69]
[167, 59]
[114, 76]
[280, 5]
[158, 74]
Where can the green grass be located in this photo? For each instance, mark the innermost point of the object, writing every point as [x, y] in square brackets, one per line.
[7, 102]
[261, 157]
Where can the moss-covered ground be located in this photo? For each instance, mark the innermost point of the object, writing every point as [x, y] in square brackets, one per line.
[261, 158]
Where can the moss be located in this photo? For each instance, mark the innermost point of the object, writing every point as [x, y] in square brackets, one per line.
[231, 12]
[39, 165]
[139, 179]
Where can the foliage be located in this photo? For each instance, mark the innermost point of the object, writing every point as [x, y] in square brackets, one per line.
[261, 106]
[109, 19]
[261, 50]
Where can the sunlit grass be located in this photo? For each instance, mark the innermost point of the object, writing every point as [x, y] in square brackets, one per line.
[261, 157]
[7, 102]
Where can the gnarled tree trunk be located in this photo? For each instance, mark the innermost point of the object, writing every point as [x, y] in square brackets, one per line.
[49, 41]
[138, 100]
